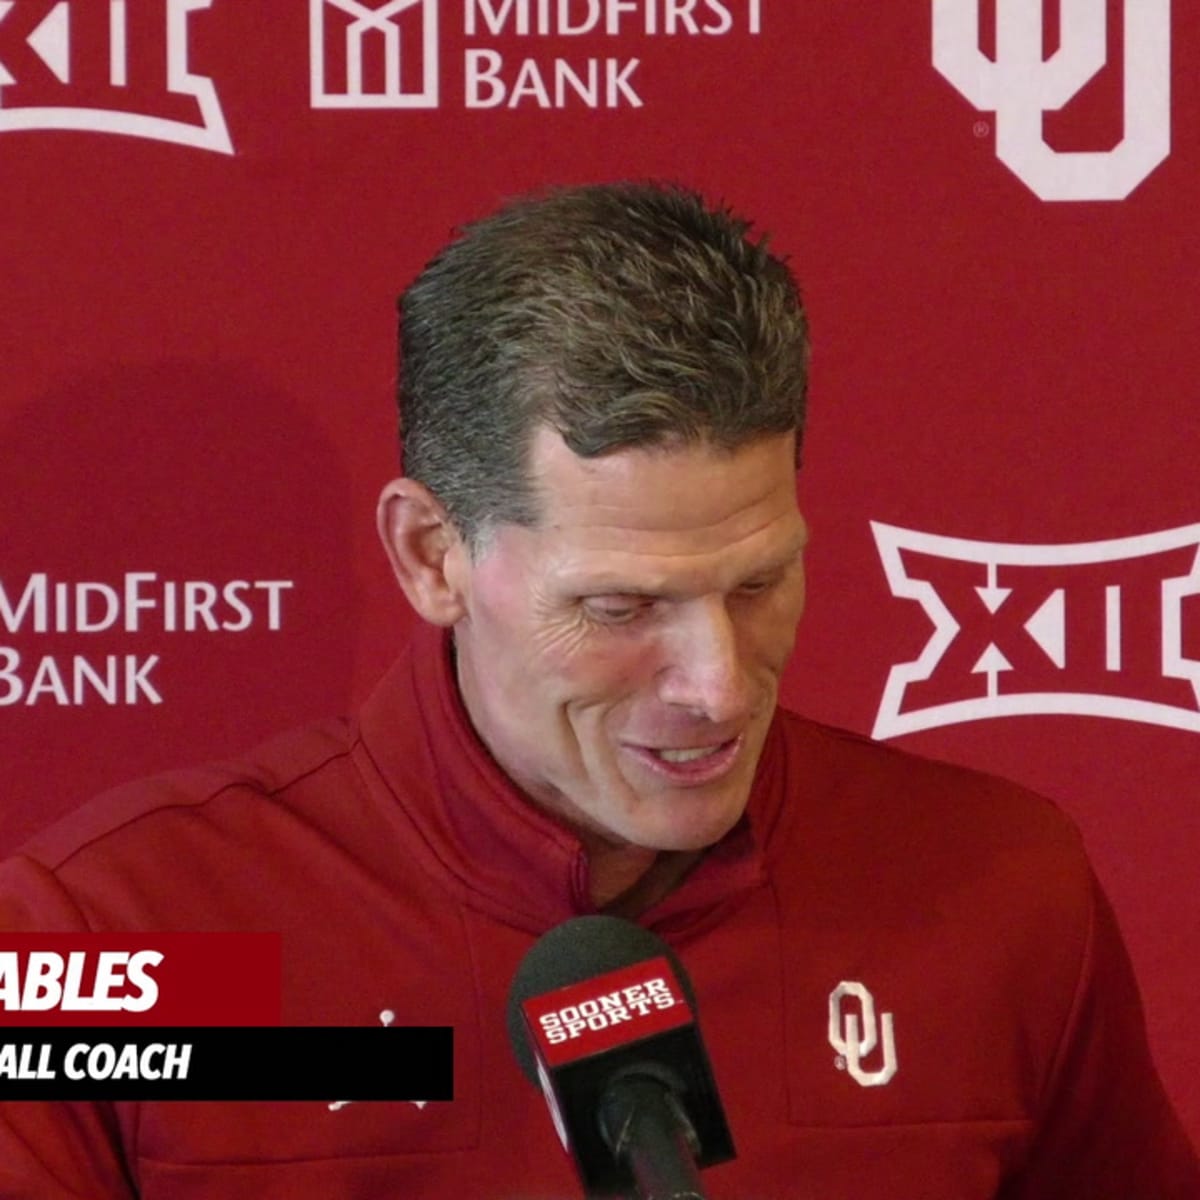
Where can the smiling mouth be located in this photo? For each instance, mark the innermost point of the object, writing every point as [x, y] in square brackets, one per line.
[692, 764]
[680, 756]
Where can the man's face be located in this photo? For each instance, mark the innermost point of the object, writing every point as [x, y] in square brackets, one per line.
[621, 661]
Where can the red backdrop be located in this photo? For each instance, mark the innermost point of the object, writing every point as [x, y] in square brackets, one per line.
[210, 206]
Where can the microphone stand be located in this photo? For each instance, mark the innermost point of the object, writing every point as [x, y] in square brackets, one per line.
[648, 1131]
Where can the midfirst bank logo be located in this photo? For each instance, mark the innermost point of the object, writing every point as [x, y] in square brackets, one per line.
[1019, 86]
[1103, 629]
[402, 33]
[139, 603]
[120, 66]
[381, 54]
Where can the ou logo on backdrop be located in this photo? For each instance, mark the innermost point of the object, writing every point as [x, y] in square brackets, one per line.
[1019, 86]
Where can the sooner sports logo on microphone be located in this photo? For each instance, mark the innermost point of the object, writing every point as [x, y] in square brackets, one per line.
[590, 1017]
[602, 1018]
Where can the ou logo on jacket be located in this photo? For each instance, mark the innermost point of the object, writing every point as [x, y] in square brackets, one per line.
[855, 1037]
[1019, 86]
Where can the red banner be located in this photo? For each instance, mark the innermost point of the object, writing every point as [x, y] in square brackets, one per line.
[157, 979]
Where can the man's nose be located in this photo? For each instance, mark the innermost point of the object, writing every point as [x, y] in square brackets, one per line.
[703, 671]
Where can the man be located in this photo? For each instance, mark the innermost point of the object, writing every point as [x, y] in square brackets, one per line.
[910, 983]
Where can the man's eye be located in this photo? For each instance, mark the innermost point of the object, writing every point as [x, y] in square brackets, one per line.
[755, 587]
[614, 610]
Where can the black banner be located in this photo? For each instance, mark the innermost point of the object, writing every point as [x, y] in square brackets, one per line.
[227, 1063]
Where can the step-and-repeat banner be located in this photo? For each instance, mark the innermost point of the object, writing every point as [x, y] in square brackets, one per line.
[211, 205]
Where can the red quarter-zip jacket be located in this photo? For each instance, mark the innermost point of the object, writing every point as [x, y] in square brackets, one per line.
[1001, 1050]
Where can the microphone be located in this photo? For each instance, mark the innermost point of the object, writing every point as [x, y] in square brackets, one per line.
[601, 1016]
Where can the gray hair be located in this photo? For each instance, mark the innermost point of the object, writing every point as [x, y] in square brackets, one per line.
[620, 315]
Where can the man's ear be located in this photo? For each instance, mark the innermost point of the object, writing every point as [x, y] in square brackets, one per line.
[426, 551]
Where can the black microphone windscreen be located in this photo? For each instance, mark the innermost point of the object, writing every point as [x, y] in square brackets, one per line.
[602, 1018]
[577, 950]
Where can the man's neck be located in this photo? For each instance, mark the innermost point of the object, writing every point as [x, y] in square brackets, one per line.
[626, 880]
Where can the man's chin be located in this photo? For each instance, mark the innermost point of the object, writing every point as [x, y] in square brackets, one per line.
[690, 824]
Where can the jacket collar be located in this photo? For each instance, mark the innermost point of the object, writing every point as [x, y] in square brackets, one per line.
[497, 851]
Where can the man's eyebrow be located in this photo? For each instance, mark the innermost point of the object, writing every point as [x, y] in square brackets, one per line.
[776, 564]
[780, 562]
[584, 584]
[611, 586]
